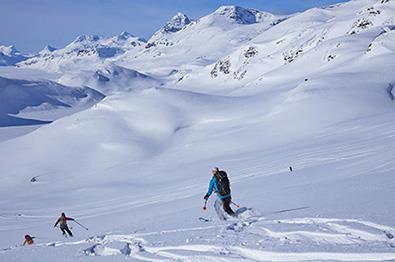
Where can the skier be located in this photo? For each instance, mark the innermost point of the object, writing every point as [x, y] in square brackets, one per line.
[28, 240]
[62, 221]
[220, 183]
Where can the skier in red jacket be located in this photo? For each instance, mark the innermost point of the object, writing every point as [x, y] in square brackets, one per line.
[62, 221]
[28, 240]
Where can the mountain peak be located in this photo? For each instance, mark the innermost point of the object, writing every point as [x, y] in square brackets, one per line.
[84, 38]
[49, 48]
[176, 23]
[9, 50]
[125, 35]
[239, 14]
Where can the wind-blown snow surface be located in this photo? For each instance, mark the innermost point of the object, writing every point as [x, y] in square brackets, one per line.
[26, 102]
[134, 167]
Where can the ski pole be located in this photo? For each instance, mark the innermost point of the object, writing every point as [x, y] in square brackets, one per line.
[39, 237]
[81, 225]
[205, 205]
[235, 204]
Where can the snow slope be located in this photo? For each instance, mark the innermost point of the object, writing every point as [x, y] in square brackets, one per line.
[162, 144]
[26, 102]
[109, 78]
[134, 167]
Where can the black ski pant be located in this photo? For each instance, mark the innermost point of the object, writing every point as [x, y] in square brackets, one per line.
[66, 229]
[226, 204]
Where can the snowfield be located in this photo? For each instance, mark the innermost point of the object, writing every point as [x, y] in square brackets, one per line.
[135, 127]
[41, 100]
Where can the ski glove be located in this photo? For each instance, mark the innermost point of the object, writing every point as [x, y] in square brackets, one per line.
[206, 197]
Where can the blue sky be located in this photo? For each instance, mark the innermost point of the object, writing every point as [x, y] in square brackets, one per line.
[31, 24]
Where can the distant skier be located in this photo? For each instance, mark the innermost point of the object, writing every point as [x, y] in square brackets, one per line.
[220, 184]
[62, 221]
[28, 240]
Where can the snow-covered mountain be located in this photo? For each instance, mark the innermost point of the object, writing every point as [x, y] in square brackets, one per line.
[225, 18]
[315, 41]
[297, 109]
[84, 49]
[223, 30]
[204, 40]
[10, 56]
[88, 61]
[178, 22]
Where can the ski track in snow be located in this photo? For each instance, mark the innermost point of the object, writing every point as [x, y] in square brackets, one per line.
[247, 239]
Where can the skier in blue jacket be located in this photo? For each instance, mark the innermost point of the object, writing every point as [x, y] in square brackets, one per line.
[220, 184]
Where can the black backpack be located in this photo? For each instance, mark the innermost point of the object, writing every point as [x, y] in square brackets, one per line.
[222, 183]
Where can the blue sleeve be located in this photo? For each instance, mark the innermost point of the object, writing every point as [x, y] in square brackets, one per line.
[211, 186]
